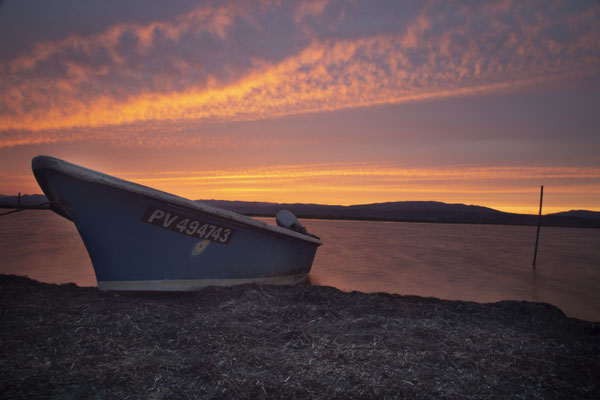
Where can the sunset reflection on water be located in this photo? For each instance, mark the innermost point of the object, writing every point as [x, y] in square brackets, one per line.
[482, 263]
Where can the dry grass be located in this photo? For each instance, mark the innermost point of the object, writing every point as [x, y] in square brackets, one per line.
[67, 342]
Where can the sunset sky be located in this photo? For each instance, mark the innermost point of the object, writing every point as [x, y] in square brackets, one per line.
[332, 102]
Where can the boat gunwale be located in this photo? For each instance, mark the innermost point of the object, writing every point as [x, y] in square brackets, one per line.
[92, 176]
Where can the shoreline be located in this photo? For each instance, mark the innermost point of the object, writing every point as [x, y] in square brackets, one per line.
[425, 221]
[258, 341]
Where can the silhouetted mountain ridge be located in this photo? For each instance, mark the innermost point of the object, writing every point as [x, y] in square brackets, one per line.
[413, 211]
[580, 214]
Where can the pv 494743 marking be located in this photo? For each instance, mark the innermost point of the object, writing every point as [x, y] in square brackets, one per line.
[187, 226]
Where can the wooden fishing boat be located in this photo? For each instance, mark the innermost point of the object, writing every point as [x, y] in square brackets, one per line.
[143, 239]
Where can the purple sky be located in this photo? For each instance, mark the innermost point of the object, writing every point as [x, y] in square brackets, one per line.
[337, 102]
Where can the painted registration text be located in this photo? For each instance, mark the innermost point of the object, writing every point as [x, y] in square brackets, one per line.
[187, 226]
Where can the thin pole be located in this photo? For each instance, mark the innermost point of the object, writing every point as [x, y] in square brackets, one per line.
[537, 238]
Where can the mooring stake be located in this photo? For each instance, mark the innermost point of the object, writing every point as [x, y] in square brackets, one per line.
[537, 237]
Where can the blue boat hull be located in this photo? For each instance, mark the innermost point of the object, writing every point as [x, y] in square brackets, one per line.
[137, 241]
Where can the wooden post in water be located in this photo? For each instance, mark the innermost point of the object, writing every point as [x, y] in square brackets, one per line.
[537, 237]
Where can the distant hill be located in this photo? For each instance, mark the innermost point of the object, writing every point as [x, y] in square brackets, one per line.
[580, 214]
[411, 211]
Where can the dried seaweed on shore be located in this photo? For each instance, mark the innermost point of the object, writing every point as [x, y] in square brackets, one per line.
[67, 342]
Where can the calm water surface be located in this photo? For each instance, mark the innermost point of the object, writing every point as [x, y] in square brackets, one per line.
[483, 263]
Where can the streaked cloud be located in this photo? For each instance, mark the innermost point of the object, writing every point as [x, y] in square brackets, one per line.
[365, 177]
[289, 173]
[506, 188]
[144, 134]
[197, 68]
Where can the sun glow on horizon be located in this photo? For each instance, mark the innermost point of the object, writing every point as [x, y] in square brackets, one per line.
[506, 189]
[509, 189]
[513, 189]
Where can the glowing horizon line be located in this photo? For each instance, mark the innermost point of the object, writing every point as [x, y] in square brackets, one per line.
[489, 173]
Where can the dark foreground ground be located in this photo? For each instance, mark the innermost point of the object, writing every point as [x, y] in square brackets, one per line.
[67, 342]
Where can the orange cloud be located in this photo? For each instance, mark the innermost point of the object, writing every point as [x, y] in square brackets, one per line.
[357, 170]
[319, 178]
[306, 8]
[420, 62]
[213, 20]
